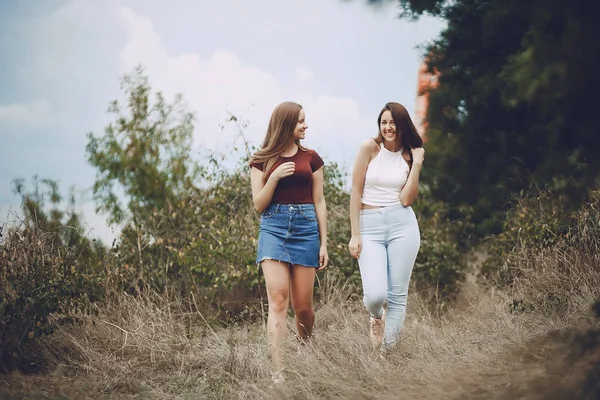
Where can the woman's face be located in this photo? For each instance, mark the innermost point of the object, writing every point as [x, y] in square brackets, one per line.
[301, 127]
[388, 127]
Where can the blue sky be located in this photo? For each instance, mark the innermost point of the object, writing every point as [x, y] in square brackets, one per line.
[62, 60]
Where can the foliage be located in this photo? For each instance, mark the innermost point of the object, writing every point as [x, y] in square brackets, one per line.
[189, 225]
[440, 266]
[144, 158]
[194, 231]
[47, 268]
[144, 152]
[338, 225]
[537, 223]
[207, 245]
[512, 108]
[189, 230]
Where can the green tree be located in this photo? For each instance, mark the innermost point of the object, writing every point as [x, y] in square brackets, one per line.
[512, 109]
[191, 229]
[188, 226]
[145, 152]
[144, 163]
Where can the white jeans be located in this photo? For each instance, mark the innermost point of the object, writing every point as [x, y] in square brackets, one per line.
[390, 244]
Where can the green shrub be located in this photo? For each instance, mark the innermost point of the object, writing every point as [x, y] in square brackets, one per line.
[190, 227]
[205, 244]
[48, 275]
[440, 267]
[535, 222]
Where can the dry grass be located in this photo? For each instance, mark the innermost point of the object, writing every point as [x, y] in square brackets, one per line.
[536, 340]
[141, 350]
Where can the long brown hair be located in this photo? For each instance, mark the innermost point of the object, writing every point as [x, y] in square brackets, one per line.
[406, 132]
[284, 120]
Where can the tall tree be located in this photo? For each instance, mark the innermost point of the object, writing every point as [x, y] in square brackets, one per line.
[144, 162]
[144, 153]
[513, 107]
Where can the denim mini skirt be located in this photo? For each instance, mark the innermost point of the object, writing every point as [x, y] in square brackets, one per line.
[289, 233]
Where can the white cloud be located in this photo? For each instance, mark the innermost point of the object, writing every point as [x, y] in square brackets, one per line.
[76, 54]
[211, 86]
[32, 113]
[222, 82]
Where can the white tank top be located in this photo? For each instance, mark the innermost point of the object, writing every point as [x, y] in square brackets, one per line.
[387, 174]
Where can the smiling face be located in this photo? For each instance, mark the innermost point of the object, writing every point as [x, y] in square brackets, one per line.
[387, 127]
[396, 129]
[301, 127]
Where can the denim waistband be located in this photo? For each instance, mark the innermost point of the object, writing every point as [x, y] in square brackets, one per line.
[275, 207]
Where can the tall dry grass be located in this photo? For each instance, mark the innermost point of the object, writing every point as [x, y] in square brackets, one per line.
[535, 339]
[149, 348]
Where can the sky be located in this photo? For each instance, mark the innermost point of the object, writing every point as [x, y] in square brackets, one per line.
[62, 61]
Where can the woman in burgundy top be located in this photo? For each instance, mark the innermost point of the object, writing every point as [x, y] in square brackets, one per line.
[287, 189]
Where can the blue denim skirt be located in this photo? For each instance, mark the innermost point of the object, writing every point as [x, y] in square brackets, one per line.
[289, 233]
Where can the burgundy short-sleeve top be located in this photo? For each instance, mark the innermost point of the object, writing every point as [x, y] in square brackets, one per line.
[296, 188]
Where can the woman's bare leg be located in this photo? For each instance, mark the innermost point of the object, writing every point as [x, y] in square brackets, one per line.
[303, 281]
[277, 278]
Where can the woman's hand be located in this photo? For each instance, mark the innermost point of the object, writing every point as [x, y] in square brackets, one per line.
[285, 169]
[418, 155]
[355, 246]
[323, 258]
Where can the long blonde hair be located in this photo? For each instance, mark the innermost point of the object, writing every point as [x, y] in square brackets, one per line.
[281, 130]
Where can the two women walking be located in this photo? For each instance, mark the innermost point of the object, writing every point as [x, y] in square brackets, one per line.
[287, 189]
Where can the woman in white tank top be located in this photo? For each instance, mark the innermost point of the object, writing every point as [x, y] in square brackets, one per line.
[385, 233]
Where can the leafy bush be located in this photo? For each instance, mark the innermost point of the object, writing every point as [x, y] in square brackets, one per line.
[190, 227]
[48, 274]
[205, 244]
[548, 256]
[440, 266]
[537, 221]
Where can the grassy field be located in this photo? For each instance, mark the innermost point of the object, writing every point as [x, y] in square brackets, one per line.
[488, 345]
